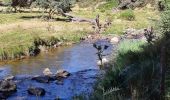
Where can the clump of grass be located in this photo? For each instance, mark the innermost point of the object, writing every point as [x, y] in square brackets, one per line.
[109, 5]
[127, 15]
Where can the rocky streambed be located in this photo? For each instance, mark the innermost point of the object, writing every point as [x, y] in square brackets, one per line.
[73, 72]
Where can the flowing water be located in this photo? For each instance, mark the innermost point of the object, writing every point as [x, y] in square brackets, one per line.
[80, 60]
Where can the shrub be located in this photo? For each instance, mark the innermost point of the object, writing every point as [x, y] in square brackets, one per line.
[127, 15]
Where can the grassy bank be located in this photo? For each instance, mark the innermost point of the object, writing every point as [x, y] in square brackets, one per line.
[121, 20]
[21, 38]
[20, 31]
[138, 71]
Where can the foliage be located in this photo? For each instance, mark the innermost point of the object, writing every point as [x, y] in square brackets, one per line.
[165, 41]
[165, 23]
[52, 6]
[135, 72]
[127, 15]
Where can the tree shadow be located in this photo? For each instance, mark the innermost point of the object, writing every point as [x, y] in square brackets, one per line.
[46, 18]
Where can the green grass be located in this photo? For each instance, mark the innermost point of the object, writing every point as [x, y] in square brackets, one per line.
[16, 17]
[127, 15]
[17, 39]
[109, 5]
[22, 31]
[143, 19]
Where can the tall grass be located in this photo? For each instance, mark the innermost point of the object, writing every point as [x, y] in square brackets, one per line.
[19, 42]
[135, 71]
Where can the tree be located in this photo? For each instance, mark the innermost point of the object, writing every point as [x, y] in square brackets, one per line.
[53, 6]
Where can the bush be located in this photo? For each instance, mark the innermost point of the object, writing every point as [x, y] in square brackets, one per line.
[127, 15]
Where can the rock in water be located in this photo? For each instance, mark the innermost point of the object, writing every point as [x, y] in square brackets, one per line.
[9, 78]
[62, 73]
[37, 91]
[104, 61]
[7, 86]
[47, 72]
[42, 79]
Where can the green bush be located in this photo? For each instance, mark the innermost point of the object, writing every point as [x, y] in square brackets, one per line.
[127, 15]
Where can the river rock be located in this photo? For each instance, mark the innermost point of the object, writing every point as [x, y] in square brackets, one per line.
[58, 44]
[62, 73]
[9, 77]
[41, 79]
[7, 86]
[104, 61]
[47, 72]
[114, 40]
[37, 91]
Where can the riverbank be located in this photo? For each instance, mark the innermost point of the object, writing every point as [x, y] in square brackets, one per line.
[22, 39]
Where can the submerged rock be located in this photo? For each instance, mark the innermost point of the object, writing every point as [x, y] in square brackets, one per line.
[37, 91]
[59, 82]
[42, 79]
[3, 96]
[62, 73]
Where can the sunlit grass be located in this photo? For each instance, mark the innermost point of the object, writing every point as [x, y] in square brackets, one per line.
[19, 37]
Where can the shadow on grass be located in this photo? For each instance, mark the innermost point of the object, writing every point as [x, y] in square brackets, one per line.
[45, 18]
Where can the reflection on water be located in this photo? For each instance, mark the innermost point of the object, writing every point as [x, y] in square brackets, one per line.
[35, 65]
[71, 58]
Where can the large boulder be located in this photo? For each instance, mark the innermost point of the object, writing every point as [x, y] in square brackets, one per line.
[37, 91]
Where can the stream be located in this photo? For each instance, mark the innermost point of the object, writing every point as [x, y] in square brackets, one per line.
[79, 59]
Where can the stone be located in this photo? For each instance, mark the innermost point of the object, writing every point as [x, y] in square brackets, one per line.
[9, 77]
[114, 40]
[104, 61]
[7, 86]
[58, 44]
[37, 91]
[42, 79]
[47, 72]
[62, 73]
